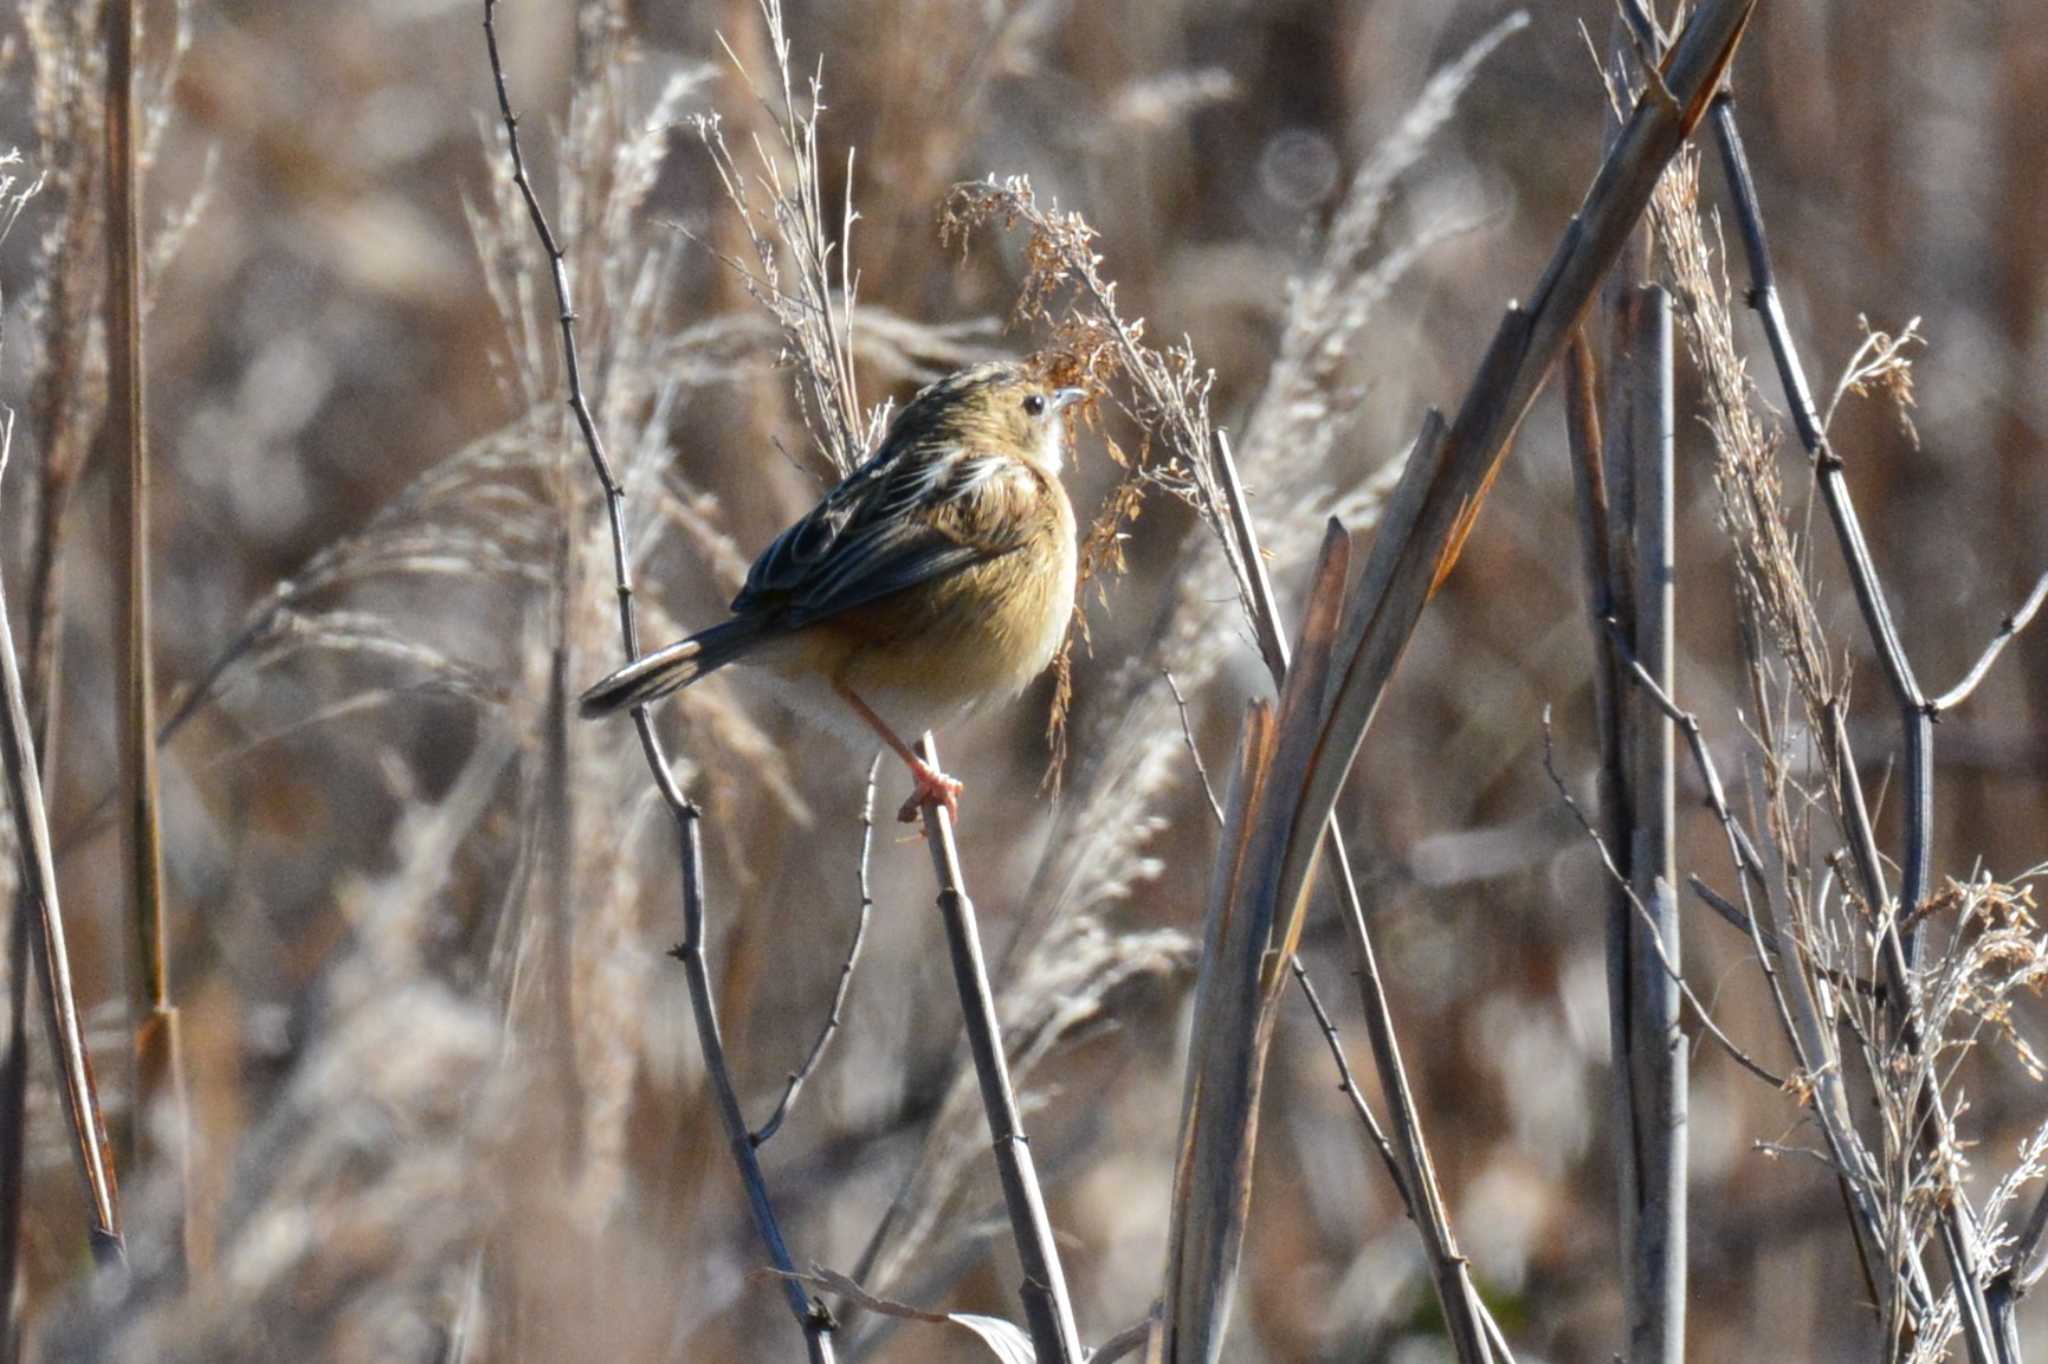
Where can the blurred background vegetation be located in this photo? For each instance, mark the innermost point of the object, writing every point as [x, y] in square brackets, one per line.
[414, 1031]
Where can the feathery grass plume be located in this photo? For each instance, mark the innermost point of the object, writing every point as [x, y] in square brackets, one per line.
[65, 338]
[1308, 402]
[1770, 561]
[793, 271]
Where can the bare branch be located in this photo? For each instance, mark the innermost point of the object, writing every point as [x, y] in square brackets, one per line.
[2008, 629]
[811, 1317]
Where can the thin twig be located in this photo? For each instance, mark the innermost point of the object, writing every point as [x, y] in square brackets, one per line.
[1194, 749]
[1046, 1305]
[1348, 1087]
[1733, 914]
[815, 1322]
[1654, 940]
[1740, 850]
[2008, 629]
[797, 1077]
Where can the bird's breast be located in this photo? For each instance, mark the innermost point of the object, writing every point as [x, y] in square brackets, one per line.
[976, 636]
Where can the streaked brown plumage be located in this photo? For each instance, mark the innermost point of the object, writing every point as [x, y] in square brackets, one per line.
[937, 577]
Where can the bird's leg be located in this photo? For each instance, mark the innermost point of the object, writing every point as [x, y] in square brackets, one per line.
[933, 786]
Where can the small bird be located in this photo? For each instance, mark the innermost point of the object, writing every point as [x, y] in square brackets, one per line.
[936, 578]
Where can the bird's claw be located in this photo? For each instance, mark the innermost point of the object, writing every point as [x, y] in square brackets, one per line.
[933, 788]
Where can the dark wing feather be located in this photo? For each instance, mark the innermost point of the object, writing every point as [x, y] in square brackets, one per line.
[881, 531]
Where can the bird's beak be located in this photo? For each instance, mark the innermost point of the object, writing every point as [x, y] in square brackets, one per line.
[1067, 397]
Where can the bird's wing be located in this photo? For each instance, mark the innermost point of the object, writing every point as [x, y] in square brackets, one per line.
[901, 519]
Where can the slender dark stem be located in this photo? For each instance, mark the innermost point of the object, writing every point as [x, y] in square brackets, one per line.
[1047, 1308]
[1348, 1087]
[815, 1322]
[1194, 749]
[797, 1077]
[1655, 1216]
[1898, 949]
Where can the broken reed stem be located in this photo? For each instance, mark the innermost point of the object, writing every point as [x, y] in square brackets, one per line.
[1654, 1209]
[1047, 1310]
[1470, 1323]
[811, 1317]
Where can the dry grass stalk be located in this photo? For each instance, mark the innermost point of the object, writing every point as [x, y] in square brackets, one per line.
[159, 1132]
[37, 907]
[792, 241]
[37, 927]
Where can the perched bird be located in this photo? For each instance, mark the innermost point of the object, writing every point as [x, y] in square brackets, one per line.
[937, 577]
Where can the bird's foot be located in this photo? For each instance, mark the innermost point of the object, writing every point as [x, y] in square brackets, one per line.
[933, 788]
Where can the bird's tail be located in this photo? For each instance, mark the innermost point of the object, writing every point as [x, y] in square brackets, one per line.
[669, 669]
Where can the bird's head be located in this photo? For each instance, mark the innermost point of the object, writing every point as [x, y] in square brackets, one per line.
[1001, 406]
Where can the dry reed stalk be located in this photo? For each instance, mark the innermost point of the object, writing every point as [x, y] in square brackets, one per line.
[37, 924]
[38, 906]
[1653, 1066]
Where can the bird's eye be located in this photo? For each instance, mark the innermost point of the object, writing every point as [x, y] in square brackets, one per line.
[1035, 404]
